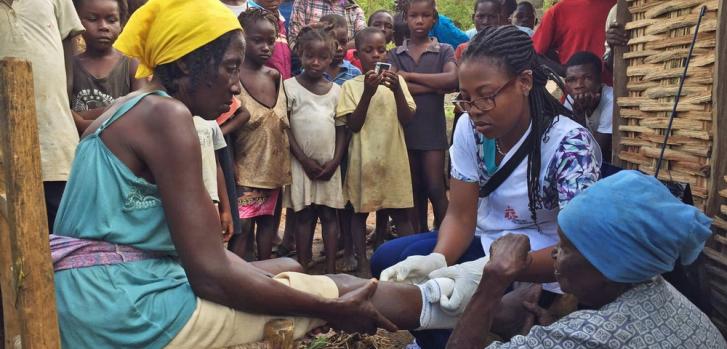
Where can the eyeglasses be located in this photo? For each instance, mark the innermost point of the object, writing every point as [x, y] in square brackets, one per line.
[486, 103]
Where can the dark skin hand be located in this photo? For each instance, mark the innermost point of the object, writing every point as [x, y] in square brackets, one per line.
[509, 258]
[391, 80]
[615, 37]
[330, 167]
[357, 119]
[311, 168]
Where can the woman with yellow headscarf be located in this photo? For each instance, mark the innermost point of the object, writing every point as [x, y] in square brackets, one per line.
[138, 258]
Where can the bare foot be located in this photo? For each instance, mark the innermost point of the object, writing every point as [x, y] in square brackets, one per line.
[348, 264]
[512, 317]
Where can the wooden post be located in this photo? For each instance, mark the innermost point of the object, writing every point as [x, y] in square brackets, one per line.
[30, 271]
[719, 120]
[620, 79]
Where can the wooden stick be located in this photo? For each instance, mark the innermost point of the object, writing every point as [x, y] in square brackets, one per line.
[32, 272]
[719, 123]
[620, 79]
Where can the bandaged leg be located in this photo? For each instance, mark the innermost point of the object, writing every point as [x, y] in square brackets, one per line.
[432, 317]
[217, 326]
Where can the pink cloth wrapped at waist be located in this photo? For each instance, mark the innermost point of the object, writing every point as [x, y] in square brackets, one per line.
[69, 253]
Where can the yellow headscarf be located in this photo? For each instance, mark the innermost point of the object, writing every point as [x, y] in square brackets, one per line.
[163, 31]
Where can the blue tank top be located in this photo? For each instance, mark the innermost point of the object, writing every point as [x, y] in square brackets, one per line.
[141, 304]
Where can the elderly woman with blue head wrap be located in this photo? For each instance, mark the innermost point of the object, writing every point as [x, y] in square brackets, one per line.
[616, 239]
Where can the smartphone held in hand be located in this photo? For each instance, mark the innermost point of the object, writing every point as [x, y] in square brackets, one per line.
[381, 67]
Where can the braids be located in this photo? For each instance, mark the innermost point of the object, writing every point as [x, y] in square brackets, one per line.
[319, 31]
[512, 50]
[256, 14]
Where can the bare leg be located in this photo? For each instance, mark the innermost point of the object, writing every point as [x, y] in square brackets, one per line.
[382, 225]
[278, 214]
[304, 235]
[329, 222]
[401, 219]
[265, 235]
[358, 232]
[349, 258]
[239, 243]
[288, 244]
[433, 181]
[418, 193]
[278, 265]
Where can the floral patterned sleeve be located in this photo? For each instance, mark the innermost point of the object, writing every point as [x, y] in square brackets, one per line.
[575, 166]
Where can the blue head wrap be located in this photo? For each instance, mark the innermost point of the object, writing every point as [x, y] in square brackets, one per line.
[631, 228]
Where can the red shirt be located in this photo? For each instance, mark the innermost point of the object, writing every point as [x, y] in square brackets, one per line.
[571, 26]
[351, 57]
[460, 51]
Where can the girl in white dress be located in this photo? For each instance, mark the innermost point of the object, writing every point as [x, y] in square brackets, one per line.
[317, 146]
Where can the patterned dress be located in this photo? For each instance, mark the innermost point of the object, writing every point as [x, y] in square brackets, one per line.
[651, 315]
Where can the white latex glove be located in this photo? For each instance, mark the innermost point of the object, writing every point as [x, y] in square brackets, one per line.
[466, 278]
[414, 269]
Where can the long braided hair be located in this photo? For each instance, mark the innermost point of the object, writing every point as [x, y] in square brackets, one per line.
[512, 50]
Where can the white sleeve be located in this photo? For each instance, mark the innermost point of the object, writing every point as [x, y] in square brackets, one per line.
[463, 152]
[218, 140]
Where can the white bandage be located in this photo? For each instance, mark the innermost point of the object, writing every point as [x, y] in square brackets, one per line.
[432, 317]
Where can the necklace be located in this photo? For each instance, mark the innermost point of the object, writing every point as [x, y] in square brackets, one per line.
[497, 147]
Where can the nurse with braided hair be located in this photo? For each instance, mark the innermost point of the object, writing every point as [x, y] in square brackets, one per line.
[517, 160]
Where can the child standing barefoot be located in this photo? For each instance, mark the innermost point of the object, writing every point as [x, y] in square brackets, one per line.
[262, 152]
[378, 175]
[317, 146]
[101, 74]
[429, 69]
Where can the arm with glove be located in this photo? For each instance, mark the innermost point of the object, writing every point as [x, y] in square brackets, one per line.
[455, 235]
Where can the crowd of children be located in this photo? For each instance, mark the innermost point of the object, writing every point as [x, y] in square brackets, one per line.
[321, 127]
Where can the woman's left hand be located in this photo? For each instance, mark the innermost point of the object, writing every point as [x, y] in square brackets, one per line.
[509, 256]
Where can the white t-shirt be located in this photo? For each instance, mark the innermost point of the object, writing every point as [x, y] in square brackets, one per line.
[601, 120]
[210, 139]
[570, 162]
[34, 30]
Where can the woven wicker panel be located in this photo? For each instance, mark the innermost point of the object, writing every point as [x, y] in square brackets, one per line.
[661, 32]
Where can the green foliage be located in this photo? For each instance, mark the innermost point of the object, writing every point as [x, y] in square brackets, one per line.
[460, 11]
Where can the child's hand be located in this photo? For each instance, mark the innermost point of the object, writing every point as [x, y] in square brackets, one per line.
[371, 82]
[312, 169]
[390, 80]
[227, 228]
[329, 168]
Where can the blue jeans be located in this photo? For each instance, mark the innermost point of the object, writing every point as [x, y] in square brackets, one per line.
[422, 244]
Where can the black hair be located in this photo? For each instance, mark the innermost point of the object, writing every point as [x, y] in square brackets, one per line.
[509, 7]
[401, 29]
[527, 4]
[364, 33]
[201, 63]
[512, 50]
[407, 4]
[586, 58]
[313, 33]
[123, 9]
[368, 21]
[256, 14]
[497, 4]
[338, 21]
